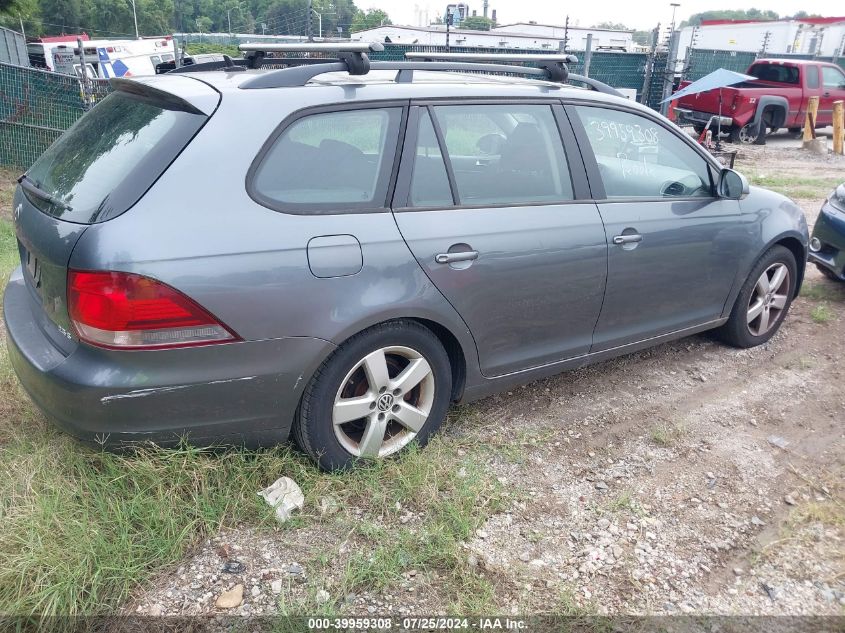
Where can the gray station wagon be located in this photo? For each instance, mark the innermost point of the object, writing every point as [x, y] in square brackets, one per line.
[339, 250]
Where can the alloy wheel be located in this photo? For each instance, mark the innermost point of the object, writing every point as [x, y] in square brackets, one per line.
[748, 134]
[768, 299]
[383, 402]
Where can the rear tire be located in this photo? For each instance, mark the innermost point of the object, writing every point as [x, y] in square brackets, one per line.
[763, 300]
[796, 132]
[396, 375]
[750, 134]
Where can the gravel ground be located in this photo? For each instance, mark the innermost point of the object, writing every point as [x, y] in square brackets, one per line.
[689, 478]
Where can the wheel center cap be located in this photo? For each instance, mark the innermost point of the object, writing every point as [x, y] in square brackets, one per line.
[385, 402]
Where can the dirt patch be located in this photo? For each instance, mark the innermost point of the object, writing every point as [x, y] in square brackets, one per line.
[688, 478]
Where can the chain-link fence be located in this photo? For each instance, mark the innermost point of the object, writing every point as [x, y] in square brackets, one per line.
[36, 106]
[704, 61]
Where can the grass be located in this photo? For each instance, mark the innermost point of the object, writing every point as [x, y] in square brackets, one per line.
[7, 181]
[824, 291]
[667, 434]
[795, 186]
[450, 497]
[82, 530]
[821, 313]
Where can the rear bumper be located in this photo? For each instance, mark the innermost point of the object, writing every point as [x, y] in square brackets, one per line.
[696, 117]
[242, 393]
[830, 231]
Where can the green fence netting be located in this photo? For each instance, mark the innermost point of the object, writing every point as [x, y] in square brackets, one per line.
[704, 61]
[36, 106]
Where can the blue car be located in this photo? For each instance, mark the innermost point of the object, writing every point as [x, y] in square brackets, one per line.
[827, 246]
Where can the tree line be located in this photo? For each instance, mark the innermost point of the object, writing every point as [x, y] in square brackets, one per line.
[114, 18]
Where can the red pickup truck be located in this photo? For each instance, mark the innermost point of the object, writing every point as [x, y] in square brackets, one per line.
[776, 99]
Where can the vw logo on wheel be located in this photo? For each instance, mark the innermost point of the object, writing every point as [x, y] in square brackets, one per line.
[385, 402]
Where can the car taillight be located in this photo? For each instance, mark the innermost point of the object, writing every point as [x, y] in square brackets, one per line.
[129, 311]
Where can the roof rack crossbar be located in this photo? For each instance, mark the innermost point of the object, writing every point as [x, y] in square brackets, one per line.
[555, 66]
[287, 77]
[301, 75]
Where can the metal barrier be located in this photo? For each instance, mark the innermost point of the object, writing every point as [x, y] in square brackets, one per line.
[13, 48]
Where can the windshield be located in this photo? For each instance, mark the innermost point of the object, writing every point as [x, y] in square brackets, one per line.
[103, 164]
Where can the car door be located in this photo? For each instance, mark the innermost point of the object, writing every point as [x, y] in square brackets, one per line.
[673, 246]
[497, 214]
[833, 89]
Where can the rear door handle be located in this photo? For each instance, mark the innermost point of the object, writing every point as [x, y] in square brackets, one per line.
[450, 258]
[627, 239]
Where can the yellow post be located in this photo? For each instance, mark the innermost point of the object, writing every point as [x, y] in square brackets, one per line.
[838, 127]
[810, 120]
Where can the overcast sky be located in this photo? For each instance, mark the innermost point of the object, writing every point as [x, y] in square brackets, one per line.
[637, 14]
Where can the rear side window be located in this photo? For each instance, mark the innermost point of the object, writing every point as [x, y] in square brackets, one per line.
[775, 72]
[505, 154]
[104, 163]
[331, 162]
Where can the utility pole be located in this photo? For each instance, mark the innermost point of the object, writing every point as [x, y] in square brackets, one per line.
[135, 17]
[566, 35]
[588, 55]
[674, 6]
[449, 15]
[309, 23]
[766, 37]
[655, 36]
[22, 31]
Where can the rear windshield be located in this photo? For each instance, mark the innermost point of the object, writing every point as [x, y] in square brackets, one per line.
[104, 163]
[775, 72]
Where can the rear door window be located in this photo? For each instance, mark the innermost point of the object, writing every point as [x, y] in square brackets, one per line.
[429, 179]
[505, 154]
[330, 162]
[104, 163]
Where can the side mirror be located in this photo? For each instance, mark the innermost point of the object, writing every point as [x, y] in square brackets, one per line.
[733, 185]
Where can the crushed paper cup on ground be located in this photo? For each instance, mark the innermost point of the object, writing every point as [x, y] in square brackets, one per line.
[284, 496]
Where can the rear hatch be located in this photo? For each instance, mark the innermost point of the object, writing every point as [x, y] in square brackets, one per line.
[94, 172]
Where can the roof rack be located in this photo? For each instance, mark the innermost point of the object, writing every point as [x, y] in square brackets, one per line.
[352, 57]
[555, 66]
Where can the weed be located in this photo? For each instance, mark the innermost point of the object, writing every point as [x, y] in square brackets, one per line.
[821, 313]
[667, 434]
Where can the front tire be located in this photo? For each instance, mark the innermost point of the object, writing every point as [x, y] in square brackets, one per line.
[763, 300]
[377, 393]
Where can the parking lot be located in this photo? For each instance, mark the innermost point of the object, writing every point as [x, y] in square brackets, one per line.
[688, 478]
